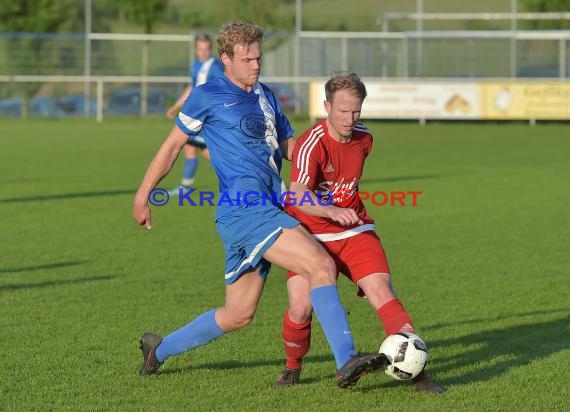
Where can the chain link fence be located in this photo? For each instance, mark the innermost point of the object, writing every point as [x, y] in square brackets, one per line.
[113, 74]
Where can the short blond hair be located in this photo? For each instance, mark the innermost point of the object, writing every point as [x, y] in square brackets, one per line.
[204, 37]
[345, 81]
[241, 33]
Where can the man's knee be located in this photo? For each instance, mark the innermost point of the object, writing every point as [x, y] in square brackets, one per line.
[236, 319]
[300, 310]
[243, 320]
[323, 268]
[377, 288]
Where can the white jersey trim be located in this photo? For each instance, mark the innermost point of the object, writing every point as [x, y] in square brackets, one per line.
[329, 237]
[253, 253]
[305, 154]
[202, 75]
[270, 131]
[191, 124]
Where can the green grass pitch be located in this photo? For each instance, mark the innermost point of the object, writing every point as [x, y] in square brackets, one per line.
[481, 263]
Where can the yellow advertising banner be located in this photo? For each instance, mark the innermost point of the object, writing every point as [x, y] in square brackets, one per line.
[525, 100]
[469, 100]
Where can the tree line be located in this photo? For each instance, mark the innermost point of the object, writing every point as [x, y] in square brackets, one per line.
[56, 16]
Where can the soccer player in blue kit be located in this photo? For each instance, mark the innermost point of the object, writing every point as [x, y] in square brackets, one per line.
[248, 136]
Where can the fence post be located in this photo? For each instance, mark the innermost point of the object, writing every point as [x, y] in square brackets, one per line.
[99, 100]
[562, 58]
[406, 62]
[514, 29]
[87, 60]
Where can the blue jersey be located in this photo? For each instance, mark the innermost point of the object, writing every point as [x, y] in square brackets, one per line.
[242, 131]
[201, 72]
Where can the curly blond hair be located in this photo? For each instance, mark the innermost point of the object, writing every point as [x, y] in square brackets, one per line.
[241, 33]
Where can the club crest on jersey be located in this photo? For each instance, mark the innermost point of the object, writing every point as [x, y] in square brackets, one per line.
[257, 126]
[341, 192]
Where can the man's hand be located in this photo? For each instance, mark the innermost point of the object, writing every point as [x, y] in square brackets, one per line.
[344, 216]
[172, 112]
[141, 213]
[158, 168]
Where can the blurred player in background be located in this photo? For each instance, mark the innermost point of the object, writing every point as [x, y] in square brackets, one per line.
[328, 161]
[205, 68]
[248, 135]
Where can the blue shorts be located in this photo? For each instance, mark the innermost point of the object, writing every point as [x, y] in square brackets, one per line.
[247, 233]
[197, 141]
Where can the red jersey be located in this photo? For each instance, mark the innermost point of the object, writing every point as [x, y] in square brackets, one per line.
[332, 170]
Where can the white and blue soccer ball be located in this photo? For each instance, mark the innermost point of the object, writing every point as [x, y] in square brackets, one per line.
[407, 353]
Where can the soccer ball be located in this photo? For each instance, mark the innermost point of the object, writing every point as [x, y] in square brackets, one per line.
[407, 354]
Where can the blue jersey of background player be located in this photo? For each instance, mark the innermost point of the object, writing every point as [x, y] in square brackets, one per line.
[204, 68]
[248, 136]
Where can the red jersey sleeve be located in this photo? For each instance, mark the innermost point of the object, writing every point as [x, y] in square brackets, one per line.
[307, 158]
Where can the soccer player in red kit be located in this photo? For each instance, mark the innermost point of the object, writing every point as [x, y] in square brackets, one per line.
[327, 165]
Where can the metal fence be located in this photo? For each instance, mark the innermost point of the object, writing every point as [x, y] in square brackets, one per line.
[117, 74]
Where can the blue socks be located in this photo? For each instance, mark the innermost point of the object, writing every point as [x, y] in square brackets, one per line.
[190, 167]
[200, 331]
[326, 304]
[331, 314]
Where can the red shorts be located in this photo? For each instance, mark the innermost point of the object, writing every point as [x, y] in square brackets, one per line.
[357, 257]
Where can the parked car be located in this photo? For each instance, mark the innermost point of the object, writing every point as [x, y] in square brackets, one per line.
[541, 71]
[128, 101]
[63, 106]
[11, 107]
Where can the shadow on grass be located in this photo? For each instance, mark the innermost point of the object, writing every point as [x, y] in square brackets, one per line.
[63, 196]
[487, 354]
[490, 353]
[23, 179]
[236, 364]
[498, 350]
[46, 266]
[495, 318]
[17, 286]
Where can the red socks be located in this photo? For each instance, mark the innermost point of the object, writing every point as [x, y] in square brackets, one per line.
[297, 336]
[296, 340]
[394, 317]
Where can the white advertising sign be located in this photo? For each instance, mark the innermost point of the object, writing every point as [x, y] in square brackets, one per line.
[410, 100]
